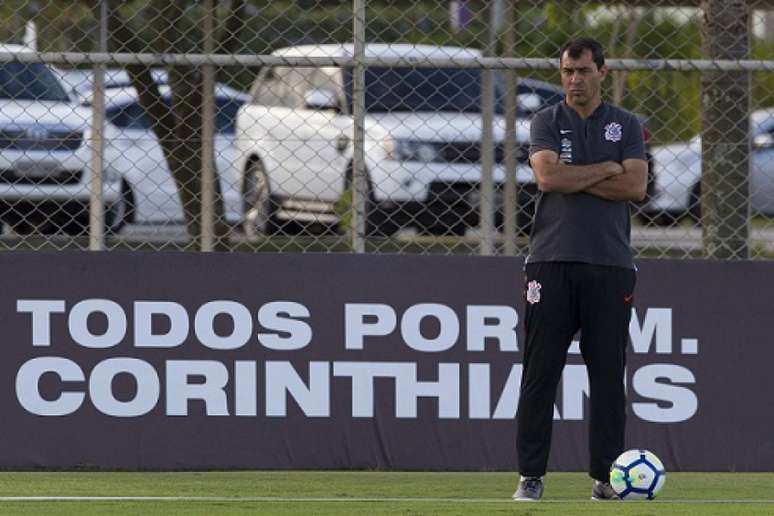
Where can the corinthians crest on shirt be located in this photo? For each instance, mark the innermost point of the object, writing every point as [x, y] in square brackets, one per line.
[533, 292]
[613, 132]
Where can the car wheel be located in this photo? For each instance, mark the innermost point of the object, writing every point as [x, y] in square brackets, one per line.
[117, 215]
[452, 222]
[120, 213]
[694, 205]
[659, 220]
[257, 202]
[379, 221]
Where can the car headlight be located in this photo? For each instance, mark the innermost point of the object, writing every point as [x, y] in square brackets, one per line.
[408, 150]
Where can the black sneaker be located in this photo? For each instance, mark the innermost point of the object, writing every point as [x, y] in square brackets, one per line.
[603, 491]
[530, 489]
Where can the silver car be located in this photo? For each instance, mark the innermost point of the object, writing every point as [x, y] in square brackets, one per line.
[678, 175]
[45, 156]
[148, 188]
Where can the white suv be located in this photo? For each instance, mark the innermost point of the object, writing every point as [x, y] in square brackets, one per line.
[45, 159]
[422, 144]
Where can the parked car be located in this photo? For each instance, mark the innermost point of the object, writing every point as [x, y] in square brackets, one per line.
[149, 190]
[678, 175]
[45, 158]
[135, 152]
[422, 140]
[80, 82]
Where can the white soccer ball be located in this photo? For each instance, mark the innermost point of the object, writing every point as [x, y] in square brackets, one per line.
[637, 475]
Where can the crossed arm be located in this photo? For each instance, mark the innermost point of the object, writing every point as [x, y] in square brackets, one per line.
[609, 180]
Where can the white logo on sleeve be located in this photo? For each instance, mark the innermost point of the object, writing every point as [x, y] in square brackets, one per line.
[533, 292]
[613, 132]
[566, 153]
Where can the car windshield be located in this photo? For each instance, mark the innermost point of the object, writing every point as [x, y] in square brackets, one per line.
[30, 81]
[445, 89]
[132, 115]
[421, 89]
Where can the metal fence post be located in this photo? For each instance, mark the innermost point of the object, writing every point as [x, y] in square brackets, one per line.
[208, 133]
[359, 180]
[96, 202]
[511, 199]
[486, 188]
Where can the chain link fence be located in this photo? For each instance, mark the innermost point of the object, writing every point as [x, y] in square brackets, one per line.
[401, 130]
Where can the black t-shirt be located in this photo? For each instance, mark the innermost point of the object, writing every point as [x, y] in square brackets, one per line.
[581, 227]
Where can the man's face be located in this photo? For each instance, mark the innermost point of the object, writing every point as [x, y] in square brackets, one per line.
[581, 79]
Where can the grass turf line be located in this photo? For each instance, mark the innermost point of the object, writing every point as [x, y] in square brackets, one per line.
[372, 492]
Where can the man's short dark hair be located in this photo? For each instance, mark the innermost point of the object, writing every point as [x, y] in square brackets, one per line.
[576, 47]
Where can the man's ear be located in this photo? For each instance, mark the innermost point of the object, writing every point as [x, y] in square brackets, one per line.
[604, 71]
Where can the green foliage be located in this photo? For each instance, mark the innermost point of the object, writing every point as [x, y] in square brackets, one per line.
[343, 209]
[671, 101]
[762, 82]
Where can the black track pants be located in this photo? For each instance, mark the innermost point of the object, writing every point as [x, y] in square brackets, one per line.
[571, 296]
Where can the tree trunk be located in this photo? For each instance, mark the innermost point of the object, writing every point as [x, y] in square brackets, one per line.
[725, 148]
[177, 127]
[619, 77]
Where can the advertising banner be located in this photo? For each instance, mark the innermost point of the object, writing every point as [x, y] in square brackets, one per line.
[269, 361]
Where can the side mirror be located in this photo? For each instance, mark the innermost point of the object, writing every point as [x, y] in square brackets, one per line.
[529, 102]
[321, 99]
[763, 141]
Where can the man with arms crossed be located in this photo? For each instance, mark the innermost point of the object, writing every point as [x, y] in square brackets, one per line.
[588, 158]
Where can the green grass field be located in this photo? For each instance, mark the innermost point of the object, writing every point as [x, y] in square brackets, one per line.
[333, 493]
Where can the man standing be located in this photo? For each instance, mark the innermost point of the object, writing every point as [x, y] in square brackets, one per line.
[588, 158]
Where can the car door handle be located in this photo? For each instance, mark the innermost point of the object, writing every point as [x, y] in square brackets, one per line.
[342, 142]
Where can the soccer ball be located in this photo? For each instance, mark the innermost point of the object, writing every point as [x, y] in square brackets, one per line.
[637, 475]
